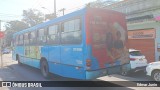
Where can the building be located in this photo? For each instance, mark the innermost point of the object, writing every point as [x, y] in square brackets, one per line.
[143, 22]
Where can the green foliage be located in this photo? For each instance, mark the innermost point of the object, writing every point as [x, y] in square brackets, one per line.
[8, 37]
[12, 27]
[50, 16]
[16, 25]
[32, 17]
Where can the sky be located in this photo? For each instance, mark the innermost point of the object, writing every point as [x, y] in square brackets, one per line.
[13, 9]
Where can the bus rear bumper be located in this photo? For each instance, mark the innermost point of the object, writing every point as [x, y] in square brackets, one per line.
[92, 74]
[95, 74]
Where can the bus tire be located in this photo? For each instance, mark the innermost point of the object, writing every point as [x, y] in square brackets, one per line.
[18, 59]
[44, 69]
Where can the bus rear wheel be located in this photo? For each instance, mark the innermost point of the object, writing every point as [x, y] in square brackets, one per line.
[44, 69]
[18, 59]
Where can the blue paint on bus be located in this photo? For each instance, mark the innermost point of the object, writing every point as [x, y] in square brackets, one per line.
[67, 60]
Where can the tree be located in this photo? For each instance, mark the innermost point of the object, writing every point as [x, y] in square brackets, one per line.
[12, 27]
[50, 16]
[16, 25]
[8, 37]
[32, 17]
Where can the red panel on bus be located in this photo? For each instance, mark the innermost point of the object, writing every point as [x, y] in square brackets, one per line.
[107, 34]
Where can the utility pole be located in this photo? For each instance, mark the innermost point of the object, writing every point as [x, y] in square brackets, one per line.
[55, 7]
[1, 47]
[62, 10]
[45, 14]
[0, 25]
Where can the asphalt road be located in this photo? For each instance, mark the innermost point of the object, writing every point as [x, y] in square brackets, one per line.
[140, 75]
[16, 72]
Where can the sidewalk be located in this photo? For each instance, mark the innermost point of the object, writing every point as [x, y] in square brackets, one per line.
[6, 72]
[7, 60]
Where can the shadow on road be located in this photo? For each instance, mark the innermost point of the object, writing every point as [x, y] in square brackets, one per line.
[34, 72]
[27, 73]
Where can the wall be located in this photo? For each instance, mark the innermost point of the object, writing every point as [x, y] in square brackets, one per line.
[148, 25]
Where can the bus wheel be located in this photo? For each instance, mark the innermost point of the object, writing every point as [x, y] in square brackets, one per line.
[44, 69]
[18, 59]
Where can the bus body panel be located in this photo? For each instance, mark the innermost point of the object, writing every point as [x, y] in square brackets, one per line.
[69, 60]
[104, 47]
[67, 70]
[54, 54]
[36, 63]
[19, 50]
[72, 55]
[44, 52]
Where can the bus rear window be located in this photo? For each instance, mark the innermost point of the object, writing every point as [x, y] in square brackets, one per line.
[136, 53]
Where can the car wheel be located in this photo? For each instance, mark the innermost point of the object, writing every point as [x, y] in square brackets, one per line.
[44, 69]
[124, 73]
[156, 75]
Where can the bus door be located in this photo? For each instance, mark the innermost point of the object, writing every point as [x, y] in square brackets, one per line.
[71, 48]
[53, 43]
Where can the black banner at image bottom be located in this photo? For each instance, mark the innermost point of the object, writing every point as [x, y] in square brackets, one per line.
[79, 84]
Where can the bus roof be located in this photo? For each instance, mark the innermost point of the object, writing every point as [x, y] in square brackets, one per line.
[58, 19]
[55, 20]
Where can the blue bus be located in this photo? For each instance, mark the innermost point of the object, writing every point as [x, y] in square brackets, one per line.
[84, 44]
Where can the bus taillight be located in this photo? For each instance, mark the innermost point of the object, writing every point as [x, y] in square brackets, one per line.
[88, 63]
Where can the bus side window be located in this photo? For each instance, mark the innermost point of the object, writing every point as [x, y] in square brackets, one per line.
[53, 37]
[21, 40]
[26, 39]
[62, 27]
[41, 37]
[33, 39]
[71, 32]
[17, 40]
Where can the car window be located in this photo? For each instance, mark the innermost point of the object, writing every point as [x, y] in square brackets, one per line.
[136, 53]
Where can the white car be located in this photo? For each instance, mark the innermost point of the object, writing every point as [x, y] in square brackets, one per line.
[137, 60]
[153, 70]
